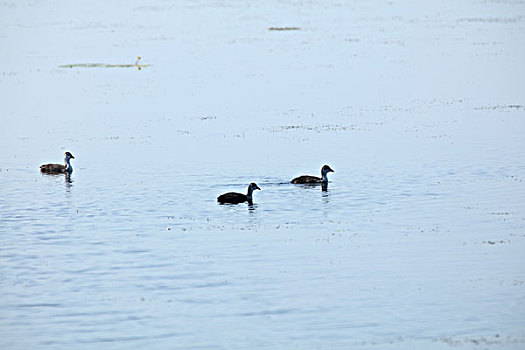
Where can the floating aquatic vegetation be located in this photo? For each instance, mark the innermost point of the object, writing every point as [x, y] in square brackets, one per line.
[497, 242]
[105, 65]
[316, 128]
[284, 28]
[514, 19]
[500, 107]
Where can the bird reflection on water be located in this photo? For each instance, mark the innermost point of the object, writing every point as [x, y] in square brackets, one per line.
[324, 185]
[325, 194]
[68, 182]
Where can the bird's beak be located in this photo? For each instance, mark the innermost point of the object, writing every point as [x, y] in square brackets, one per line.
[258, 188]
[73, 157]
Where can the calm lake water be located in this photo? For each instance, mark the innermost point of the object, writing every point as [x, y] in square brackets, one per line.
[418, 243]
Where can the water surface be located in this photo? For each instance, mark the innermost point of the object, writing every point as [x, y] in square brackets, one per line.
[418, 242]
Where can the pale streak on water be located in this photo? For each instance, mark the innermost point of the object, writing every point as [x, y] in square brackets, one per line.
[418, 243]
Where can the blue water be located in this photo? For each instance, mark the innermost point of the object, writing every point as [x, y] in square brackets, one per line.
[418, 242]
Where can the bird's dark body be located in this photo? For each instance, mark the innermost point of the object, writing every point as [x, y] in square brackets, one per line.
[233, 198]
[53, 168]
[307, 179]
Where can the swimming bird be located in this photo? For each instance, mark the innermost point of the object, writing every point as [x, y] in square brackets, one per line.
[308, 179]
[59, 168]
[236, 198]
